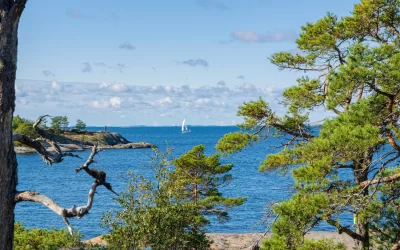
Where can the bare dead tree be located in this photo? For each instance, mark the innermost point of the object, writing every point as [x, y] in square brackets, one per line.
[56, 157]
[74, 211]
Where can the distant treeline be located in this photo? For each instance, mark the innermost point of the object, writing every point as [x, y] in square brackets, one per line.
[58, 125]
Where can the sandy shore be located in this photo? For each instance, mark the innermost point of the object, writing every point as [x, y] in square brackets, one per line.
[247, 241]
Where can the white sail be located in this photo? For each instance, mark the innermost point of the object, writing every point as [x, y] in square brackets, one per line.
[184, 125]
[184, 128]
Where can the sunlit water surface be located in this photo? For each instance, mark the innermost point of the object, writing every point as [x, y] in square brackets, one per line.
[67, 188]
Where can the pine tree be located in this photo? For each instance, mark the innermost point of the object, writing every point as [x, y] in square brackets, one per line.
[56, 124]
[151, 216]
[197, 178]
[80, 125]
[353, 66]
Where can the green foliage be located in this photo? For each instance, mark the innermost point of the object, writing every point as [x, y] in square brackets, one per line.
[55, 124]
[59, 123]
[278, 243]
[38, 239]
[324, 244]
[353, 70]
[255, 113]
[24, 126]
[197, 178]
[234, 142]
[304, 95]
[80, 125]
[151, 216]
[64, 123]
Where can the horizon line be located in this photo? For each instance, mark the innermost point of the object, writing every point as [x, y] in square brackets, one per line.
[177, 125]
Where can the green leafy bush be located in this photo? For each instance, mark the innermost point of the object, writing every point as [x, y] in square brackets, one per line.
[24, 126]
[37, 238]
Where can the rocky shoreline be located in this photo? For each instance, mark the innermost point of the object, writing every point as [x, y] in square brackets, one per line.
[76, 148]
[73, 143]
[222, 241]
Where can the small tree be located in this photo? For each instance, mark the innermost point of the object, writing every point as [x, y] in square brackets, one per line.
[197, 178]
[56, 124]
[80, 125]
[152, 217]
[64, 123]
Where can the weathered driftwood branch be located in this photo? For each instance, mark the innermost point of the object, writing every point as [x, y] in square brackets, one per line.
[99, 175]
[74, 211]
[48, 157]
[65, 213]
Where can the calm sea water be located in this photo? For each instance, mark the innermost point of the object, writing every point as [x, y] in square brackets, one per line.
[60, 182]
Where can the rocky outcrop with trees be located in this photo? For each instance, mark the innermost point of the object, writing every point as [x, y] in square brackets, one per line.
[70, 140]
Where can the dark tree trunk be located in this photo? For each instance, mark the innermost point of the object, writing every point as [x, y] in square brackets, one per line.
[360, 176]
[10, 12]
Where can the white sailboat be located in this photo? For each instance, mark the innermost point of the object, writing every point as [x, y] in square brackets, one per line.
[184, 128]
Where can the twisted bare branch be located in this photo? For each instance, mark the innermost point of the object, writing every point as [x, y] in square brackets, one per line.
[74, 211]
[48, 157]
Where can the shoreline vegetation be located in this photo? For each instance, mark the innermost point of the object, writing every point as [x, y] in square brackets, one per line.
[246, 241]
[72, 142]
[70, 139]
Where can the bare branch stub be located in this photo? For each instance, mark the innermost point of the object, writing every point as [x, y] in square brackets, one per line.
[99, 175]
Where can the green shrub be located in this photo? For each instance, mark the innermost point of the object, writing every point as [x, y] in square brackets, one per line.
[150, 216]
[37, 238]
[24, 126]
[277, 242]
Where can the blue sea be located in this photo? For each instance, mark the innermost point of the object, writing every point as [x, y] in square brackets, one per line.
[60, 182]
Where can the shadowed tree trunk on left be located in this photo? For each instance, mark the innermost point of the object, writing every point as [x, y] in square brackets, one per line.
[10, 12]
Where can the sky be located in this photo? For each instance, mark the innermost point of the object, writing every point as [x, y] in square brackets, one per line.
[155, 62]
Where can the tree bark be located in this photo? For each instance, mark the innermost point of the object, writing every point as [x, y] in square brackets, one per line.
[361, 176]
[10, 12]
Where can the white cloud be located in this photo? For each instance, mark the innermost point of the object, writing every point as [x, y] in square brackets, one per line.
[166, 103]
[99, 104]
[163, 101]
[203, 101]
[57, 87]
[114, 87]
[115, 102]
